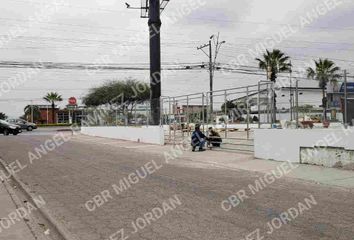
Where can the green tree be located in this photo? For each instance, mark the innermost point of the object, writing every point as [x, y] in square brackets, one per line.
[52, 98]
[2, 116]
[325, 71]
[235, 109]
[36, 112]
[229, 106]
[126, 93]
[273, 63]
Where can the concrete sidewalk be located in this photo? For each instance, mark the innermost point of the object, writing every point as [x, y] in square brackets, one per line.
[241, 161]
[237, 161]
[12, 231]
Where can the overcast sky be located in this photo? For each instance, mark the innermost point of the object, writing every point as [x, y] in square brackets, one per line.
[85, 31]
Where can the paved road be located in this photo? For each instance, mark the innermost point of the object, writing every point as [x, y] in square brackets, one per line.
[73, 173]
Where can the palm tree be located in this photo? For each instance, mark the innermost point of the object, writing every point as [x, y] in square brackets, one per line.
[29, 109]
[2, 116]
[326, 71]
[273, 63]
[53, 97]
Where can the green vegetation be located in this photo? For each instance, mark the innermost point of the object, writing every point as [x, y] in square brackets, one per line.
[28, 112]
[123, 94]
[3, 116]
[273, 63]
[235, 109]
[52, 98]
[127, 93]
[325, 71]
[229, 106]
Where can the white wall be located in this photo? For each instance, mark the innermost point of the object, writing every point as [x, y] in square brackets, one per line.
[151, 134]
[284, 144]
[328, 157]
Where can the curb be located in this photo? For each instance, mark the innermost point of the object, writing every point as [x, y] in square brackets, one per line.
[59, 227]
[18, 203]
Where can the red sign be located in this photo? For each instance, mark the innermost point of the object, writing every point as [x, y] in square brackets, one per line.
[72, 101]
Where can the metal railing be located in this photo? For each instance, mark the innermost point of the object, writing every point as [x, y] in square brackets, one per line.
[234, 114]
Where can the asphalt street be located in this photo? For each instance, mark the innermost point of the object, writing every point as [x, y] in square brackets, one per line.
[169, 200]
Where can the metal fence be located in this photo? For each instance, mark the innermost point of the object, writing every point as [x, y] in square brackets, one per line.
[134, 114]
[232, 112]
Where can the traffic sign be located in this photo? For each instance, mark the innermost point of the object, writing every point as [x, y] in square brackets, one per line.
[72, 101]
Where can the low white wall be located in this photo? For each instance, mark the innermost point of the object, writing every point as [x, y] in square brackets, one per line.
[150, 134]
[327, 156]
[284, 144]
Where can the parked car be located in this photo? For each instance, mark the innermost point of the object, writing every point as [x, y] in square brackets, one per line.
[8, 128]
[23, 124]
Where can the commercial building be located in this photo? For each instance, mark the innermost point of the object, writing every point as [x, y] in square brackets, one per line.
[67, 115]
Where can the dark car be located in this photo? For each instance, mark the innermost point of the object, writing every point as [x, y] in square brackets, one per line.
[8, 128]
[23, 124]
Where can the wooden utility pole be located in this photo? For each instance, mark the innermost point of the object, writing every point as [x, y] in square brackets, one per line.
[155, 61]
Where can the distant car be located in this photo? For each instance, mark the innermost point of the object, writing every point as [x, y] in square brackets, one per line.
[23, 124]
[9, 128]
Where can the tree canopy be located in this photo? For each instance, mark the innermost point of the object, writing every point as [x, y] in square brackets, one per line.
[2, 116]
[53, 97]
[324, 72]
[128, 92]
[274, 62]
[29, 109]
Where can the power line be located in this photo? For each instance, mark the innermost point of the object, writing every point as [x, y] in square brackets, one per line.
[123, 29]
[310, 56]
[266, 23]
[80, 66]
[71, 6]
[296, 41]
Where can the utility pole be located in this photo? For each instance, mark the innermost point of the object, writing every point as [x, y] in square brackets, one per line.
[151, 9]
[211, 75]
[155, 61]
[212, 63]
[291, 94]
[345, 99]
